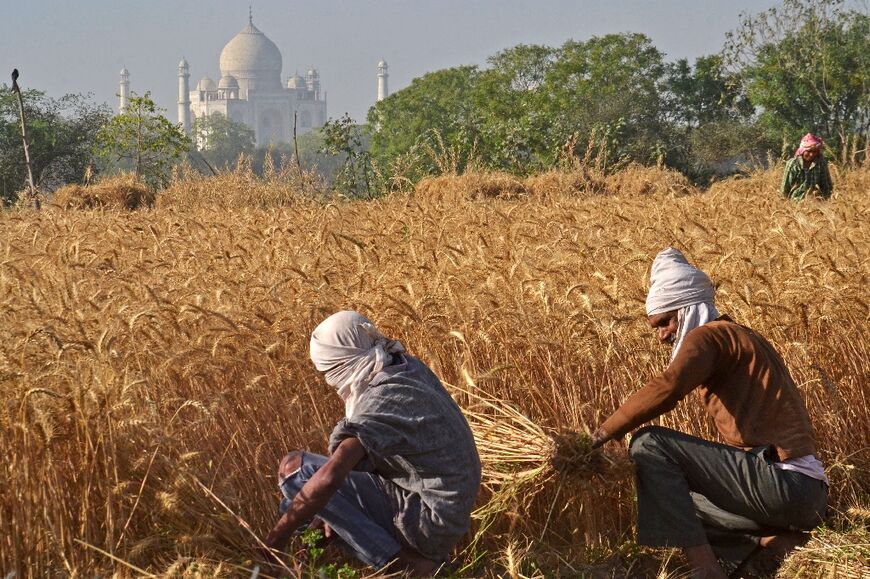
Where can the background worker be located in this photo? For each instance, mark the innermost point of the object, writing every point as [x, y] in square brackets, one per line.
[807, 172]
[750, 494]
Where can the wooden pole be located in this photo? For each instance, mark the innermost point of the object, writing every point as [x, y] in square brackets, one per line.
[296, 143]
[17, 92]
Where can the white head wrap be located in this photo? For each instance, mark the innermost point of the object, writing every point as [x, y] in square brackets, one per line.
[675, 284]
[350, 351]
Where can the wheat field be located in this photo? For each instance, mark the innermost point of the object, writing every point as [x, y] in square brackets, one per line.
[154, 366]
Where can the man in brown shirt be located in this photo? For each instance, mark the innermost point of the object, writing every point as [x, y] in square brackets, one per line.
[718, 501]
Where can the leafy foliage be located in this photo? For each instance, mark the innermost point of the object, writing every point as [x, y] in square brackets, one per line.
[61, 133]
[221, 140]
[345, 139]
[806, 65]
[142, 140]
[513, 120]
[438, 111]
[801, 66]
[609, 85]
[711, 120]
[312, 539]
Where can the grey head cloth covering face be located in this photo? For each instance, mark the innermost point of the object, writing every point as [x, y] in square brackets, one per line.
[675, 284]
[350, 351]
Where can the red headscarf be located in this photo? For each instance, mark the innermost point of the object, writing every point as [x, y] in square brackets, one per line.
[808, 143]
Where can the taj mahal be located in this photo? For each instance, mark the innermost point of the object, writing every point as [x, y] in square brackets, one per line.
[250, 91]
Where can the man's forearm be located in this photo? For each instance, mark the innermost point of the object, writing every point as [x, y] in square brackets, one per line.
[310, 501]
[316, 493]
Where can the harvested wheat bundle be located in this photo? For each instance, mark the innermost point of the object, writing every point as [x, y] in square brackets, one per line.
[519, 457]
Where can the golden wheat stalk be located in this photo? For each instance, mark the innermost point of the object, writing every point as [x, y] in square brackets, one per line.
[519, 457]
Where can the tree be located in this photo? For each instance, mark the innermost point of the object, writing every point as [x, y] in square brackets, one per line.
[703, 93]
[221, 140]
[61, 134]
[141, 139]
[711, 118]
[610, 86]
[436, 116]
[806, 67]
[346, 140]
[508, 95]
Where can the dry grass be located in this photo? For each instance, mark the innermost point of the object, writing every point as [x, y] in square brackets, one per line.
[117, 192]
[471, 186]
[284, 186]
[834, 554]
[148, 356]
[640, 180]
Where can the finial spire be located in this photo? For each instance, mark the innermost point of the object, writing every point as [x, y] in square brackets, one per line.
[250, 14]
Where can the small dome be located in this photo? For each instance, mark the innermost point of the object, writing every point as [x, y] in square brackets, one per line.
[206, 84]
[382, 64]
[183, 63]
[312, 72]
[125, 72]
[296, 82]
[228, 81]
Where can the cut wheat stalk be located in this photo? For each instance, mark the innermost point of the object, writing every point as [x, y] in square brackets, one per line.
[519, 458]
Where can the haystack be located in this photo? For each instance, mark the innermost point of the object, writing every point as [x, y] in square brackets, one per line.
[640, 180]
[471, 185]
[117, 192]
[580, 180]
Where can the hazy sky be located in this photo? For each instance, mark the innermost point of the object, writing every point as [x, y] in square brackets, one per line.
[65, 46]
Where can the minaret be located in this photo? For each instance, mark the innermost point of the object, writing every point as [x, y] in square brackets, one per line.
[312, 81]
[383, 75]
[184, 95]
[124, 95]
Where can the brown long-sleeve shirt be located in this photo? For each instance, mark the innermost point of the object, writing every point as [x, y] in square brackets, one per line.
[743, 382]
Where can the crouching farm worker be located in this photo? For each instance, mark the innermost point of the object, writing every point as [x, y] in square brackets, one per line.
[403, 472]
[749, 498]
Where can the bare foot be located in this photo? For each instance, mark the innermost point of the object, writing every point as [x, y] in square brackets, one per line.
[774, 549]
[415, 564]
[779, 546]
[703, 562]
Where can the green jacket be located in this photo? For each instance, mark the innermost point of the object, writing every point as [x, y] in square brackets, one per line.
[797, 181]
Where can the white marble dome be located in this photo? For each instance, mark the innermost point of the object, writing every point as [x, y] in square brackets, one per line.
[206, 84]
[296, 82]
[228, 81]
[253, 59]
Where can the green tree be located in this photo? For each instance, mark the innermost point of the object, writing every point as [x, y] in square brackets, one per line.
[221, 140]
[61, 135]
[609, 86]
[514, 123]
[142, 140]
[344, 139]
[711, 119]
[806, 67]
[436, 113]
[703, 93]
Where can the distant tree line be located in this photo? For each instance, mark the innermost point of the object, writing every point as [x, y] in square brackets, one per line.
[801, 66]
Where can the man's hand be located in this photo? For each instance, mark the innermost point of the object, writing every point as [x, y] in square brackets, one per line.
[318, 523]
[269, 555]
[599, 437]
[316, 492]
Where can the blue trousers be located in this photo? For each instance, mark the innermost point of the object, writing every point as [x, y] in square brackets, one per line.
[360, 512]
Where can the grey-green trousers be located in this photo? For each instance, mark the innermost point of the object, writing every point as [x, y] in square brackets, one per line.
[691, 491]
